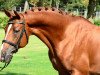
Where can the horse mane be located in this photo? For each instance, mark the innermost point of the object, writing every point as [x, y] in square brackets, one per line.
[53, 9]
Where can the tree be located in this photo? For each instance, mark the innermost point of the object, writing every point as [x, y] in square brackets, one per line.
[43, 3]
[55, 3]
[33, 2]
[8, 4]
[98, 5]
[64, 1]
[85, 3]
[40, 3]
[91, 8]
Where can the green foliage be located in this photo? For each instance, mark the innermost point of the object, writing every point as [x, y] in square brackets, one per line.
[98, 8]
[3, 20]
[9, 4]
[33, 2]
[97, 22]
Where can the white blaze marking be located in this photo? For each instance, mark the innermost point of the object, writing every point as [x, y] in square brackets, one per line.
[6, 35]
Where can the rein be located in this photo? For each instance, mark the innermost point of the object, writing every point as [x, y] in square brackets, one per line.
[5, 65]
[17, 44]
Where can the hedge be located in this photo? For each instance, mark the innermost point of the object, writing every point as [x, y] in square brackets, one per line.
[97, 22]
[3, 21]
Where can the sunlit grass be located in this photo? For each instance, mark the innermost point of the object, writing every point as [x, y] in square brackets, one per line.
[31, 60]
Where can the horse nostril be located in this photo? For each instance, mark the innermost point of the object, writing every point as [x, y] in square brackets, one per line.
[2, 59]
[3, 54]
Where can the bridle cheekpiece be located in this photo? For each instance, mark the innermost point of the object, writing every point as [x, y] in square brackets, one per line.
[18, 42]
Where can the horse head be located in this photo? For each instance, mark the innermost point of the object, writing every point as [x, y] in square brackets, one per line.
[16, 36]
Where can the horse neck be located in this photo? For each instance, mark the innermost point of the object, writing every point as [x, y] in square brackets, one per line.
[47, 26]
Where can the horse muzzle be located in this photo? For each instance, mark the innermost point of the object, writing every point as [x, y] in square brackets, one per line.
[6, 55]
[6, 58]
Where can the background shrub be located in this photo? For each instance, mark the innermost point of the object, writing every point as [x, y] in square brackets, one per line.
[3, 20]
[97, 22]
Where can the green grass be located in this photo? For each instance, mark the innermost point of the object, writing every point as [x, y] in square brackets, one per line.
[30, 60]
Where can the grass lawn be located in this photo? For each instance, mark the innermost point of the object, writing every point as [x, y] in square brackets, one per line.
[31, 60]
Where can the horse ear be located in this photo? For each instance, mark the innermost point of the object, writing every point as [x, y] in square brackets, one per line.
[8, 13]
[16, 14]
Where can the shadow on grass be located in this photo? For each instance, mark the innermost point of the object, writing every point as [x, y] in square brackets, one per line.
[8, 73]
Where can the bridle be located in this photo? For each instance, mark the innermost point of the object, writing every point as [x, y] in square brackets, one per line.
[22, 32]
[18, 42]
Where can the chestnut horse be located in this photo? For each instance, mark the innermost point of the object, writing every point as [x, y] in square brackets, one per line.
[73, 41]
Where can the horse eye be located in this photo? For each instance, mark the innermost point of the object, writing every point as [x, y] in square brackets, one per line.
[16, 31]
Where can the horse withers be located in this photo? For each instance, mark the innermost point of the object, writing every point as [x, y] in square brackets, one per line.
[73, 42]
